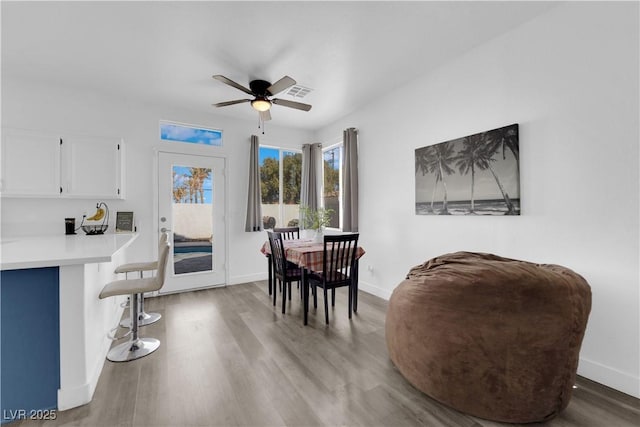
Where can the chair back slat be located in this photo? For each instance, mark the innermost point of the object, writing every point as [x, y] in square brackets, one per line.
[288, 233]
[339, 257]
[277, 252]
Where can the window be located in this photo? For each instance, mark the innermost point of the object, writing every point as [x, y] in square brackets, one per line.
[190, 134]
[332, 182]
[280, 175]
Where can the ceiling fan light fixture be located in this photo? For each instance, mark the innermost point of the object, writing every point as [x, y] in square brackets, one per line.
[261, 104]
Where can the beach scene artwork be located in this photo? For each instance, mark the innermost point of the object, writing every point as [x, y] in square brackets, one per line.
[478, 174]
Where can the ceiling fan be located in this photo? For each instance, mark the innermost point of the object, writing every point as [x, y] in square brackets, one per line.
[262, 91]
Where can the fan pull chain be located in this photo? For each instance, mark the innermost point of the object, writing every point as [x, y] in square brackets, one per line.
[260, 122]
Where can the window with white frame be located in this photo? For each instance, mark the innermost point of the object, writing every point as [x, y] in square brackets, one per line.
[332, 183]
[280, 175]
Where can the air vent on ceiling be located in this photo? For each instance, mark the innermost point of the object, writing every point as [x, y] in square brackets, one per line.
[298, 91]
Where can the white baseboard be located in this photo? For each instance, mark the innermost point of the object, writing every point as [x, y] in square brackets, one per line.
[610, 377]
[236, 280]
[374, 290]
[362, 285]
[72, 397]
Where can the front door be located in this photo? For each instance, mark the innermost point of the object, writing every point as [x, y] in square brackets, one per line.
[191, 204]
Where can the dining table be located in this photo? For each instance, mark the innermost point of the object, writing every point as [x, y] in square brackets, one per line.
[309, 256]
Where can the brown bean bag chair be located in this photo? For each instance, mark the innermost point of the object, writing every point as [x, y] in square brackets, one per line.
[493, 337]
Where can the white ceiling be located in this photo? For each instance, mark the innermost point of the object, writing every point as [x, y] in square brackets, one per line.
[349, 53]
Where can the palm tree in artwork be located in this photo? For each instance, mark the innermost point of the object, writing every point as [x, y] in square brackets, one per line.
[468, 158]
[484, 160]
[440, 164]
[422, 164]
[506, 138]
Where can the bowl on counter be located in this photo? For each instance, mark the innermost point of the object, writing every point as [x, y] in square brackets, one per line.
[92, 230]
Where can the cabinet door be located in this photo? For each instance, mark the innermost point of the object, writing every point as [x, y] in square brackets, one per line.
[30, 164]
[92, 167]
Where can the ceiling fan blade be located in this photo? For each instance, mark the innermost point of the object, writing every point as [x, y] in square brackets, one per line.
[284, 83]
[292, 104]
[225, 80]
[226, 103]
[265, 115]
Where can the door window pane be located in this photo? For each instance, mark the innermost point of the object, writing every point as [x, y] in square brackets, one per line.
[331, 171]
[192, 219]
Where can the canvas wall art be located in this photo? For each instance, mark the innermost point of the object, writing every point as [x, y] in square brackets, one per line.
[475, 175]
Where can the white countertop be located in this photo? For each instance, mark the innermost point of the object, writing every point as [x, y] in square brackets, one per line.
[50, 251]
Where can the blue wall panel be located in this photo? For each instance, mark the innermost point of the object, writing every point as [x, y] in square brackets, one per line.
[30, 340]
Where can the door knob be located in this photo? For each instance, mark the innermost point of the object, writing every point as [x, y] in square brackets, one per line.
[163, 229]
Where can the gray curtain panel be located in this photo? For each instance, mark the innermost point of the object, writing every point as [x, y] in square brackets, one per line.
[309, 194]
[254, 202]
[350, 180]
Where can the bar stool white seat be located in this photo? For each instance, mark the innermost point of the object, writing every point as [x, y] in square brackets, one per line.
[144, 318]
[136, 347]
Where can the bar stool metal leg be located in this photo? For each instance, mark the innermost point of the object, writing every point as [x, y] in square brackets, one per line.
[135, 347]
[144, 318]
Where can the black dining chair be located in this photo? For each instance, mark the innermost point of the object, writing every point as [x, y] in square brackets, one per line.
[289, 233]
[283, 272]
[339, 268]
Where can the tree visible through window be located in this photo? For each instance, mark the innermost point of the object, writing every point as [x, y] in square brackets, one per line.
[280, 175]
[191, 185]
[332, 161]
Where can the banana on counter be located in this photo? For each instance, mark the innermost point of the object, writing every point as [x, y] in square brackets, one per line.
[98, 215]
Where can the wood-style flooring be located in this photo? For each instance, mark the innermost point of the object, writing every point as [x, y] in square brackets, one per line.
[229, 358]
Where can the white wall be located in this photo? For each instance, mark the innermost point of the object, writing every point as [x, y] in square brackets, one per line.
[41, 106]
[570, 79]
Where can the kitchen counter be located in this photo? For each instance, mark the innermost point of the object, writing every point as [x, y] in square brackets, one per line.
[51, 251]
[54, 326]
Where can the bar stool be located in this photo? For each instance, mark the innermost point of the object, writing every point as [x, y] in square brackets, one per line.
[144, 318]
[136, 347]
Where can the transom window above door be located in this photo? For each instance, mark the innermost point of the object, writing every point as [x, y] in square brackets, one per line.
[191, 134]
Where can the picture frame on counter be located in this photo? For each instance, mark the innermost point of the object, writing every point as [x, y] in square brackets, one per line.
[125, 222]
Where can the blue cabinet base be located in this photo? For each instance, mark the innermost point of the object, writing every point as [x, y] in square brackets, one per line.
[30, 341]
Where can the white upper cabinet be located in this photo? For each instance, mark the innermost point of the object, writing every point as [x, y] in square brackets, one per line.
[91, 167]
[37, 164]
[30, 164]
